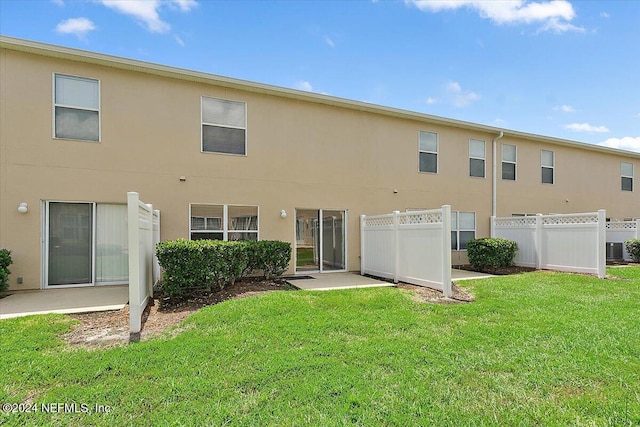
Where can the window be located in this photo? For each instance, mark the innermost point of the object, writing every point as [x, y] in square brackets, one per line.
[509, 156]
[547, 163]
[626, 171]
[476, 158]
[224, 126]
[463, 229]
[76, 108]
[428, 149]
[223, 222]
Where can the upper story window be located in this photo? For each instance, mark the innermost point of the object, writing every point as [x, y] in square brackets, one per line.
[463, 229]
[224, 126]
[428, 152]
[626, 172]
[223, 222]
[76, 108]
[477, 157]
[509, 157]
[547, 163]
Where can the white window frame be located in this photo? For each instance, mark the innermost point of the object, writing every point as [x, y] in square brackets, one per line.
[483, 158]
[225, 220]
[203, 123]
[55, 104]
[430, 152]
[552, 167]
[458, 229]
[514, 163]
[622, 175]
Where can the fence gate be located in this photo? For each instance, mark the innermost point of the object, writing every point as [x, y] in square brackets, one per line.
[413, 247]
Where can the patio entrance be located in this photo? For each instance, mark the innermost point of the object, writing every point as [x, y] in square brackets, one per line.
[320, 240]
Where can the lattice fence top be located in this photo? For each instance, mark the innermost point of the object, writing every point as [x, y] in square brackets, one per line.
[621, 225]
[378, 221]
[420, 218]
[570, 219]
[516, 221]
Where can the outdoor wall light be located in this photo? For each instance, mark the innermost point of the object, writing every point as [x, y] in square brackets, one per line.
[23, 207]
[283, 213]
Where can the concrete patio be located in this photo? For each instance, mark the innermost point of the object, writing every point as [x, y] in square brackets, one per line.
[68, 300]
[333, 281]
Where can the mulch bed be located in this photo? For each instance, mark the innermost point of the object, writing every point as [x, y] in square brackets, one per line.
[500, 271]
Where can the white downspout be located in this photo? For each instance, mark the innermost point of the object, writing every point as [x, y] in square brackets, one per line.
[494, 193]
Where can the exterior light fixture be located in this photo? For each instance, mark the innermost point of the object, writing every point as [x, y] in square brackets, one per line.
[23, 207]
[283, 213]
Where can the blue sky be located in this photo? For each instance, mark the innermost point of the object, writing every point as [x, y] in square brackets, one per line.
[567, 69]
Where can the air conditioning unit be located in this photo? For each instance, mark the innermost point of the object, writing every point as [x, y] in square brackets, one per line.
[614, 251]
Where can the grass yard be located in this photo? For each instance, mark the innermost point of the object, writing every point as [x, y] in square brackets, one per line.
[539, 348]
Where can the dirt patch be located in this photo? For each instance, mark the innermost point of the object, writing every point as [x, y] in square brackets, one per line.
[111, 328]
[423, 294]
[501, 271]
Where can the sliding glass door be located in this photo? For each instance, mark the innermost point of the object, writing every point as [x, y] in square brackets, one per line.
[86, 244]
[320, 240]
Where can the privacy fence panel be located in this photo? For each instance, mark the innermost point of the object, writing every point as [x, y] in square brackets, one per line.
[620, 232]
[413, 247]
[144, 231]
[566, 242]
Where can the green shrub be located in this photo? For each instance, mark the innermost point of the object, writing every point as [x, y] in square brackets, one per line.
[212, 264]
[5, 262]
[491, 252]
[633, 247]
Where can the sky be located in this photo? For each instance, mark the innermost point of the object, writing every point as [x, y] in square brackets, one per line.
[559, 68]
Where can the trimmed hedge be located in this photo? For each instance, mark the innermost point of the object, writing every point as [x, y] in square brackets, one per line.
[5, 262]
[491, 252]
[212, 264]
[633, 247]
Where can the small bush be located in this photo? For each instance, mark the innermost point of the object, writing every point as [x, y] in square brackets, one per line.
[5, 262]
[633, 247]
[211, 265]
[491, 252]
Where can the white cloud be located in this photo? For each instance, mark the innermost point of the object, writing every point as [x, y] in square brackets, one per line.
[564, 108]
[147, 11]
[586, 127]
[554, 15]
[179, 40]
[638, 115]
[625, 143]
[79, 27]
[304, 85]
[604, 15]
[329, 41]
[460, 98]
[58, 2]
[431, 100]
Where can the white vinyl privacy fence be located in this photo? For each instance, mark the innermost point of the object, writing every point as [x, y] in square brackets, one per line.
[413, 247]
[566, 242]
[144, 270]
[619, 232]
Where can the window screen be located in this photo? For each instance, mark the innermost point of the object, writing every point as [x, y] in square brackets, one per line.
[223, 126]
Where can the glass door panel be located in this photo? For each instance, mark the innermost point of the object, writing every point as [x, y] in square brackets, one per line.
[333, 233]
[70, 230]
[307, 240]
[112, 254]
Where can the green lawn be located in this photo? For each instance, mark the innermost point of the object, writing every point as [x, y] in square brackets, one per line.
[542, 349]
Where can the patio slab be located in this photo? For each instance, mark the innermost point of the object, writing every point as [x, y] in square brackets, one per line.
[68, 300]
[332, 281]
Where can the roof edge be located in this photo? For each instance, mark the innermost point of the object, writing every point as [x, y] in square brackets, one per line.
[45, 49]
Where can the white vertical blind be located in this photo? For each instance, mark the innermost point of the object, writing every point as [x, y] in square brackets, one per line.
[112, 262]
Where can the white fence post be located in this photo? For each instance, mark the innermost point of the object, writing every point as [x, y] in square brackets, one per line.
[493, 227]
[638, 228]
[538, 240]
[135, 320]
[602, 242]
[362, 246]
[396, 248]
[446, 250]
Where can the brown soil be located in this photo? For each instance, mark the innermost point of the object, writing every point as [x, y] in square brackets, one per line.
[422, 294]
[111, 328]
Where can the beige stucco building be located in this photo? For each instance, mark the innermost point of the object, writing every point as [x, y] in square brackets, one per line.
[225, 158]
